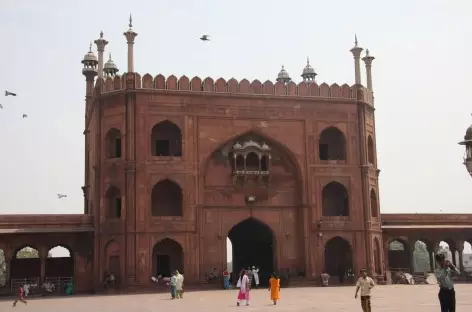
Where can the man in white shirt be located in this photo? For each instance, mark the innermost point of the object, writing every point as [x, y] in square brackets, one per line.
[365, 284]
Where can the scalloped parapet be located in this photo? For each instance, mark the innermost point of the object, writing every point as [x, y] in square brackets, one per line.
[232, 86]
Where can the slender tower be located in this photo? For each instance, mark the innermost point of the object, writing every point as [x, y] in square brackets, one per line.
[356, 52]
[130, 35]
[101, 43]
[368, 59]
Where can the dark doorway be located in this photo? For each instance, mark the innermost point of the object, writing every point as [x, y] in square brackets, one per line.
[253, 245]
[338, 257]
[163, 265]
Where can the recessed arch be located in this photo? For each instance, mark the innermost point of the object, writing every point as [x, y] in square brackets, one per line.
[335, 200]
[370, 150]
[422, 256]
[166, 199]
[332, 144]
[398, 255]
[377, 257]
[374, 206]
[113, 201]
[167, 256]
[113, 260]
[113, 143]
[252, 161]
[253, 243]
[166, 139]
[338, 257]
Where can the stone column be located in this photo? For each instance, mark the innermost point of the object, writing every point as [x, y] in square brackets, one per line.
[368, 67]
[460, 249]
[130, 35]
[101, 43]
[356, 52]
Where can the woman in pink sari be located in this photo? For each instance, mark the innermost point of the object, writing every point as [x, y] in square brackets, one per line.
[243, 288]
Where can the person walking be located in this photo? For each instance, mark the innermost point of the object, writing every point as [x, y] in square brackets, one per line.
[21, 296]
[226, 279]
[173, 285]
[364, 284]
[274, 288]
[244, 289]
[444, 273]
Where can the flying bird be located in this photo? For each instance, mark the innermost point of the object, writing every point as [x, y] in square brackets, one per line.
[24, 115]
[205, 38]
[61, 196]
[7, 93]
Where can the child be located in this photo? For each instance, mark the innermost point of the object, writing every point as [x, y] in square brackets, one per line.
[21, 295]
[274, 288]
[364, 284]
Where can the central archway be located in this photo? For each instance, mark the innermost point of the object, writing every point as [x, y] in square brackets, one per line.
[253, 245]
[338, 257]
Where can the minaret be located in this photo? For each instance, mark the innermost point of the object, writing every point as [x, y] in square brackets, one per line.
[356, 52]
[309, 73]
[101, 43]
[110, 68]
[283, 76]
[368, 68]
[130, 35]
[89, 71]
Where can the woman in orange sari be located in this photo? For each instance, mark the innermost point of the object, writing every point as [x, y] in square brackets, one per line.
[274, 288]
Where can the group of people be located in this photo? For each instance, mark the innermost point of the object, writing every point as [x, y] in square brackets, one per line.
[176, 284]
[244, 285]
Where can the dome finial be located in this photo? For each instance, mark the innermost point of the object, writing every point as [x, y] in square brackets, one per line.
[101, 34]
[90, 47]
[355, 40]
[109, 56]
[130, 21]
[307, 60]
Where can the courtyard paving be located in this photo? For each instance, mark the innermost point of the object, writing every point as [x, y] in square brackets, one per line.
[404, 298]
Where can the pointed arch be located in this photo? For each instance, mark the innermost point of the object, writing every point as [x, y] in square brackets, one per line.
[166, 139]
[335, 200]
[113, 260]
[332, 144]
[166, 199]
[59, 262]
[113, 203]
[26, 263]
[113, 143]
[398, 255]
[370, 150]
[374, 205]
[338, 257]
[167, 256]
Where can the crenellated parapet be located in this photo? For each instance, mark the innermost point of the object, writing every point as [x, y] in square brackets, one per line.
[231, 86]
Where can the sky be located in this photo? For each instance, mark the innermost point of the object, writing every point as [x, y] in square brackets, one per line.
[421, 75]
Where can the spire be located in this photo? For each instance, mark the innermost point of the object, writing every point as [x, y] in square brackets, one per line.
[101, 44]
[130, 36]
[308, 73]
[356, 52]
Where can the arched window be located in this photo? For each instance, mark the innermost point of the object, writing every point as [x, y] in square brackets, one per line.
[374, 207]
[113, 140]
[265, 163]
[166, 139]
[240, 162]
[370, 150]
[335, 200]
[252, 162]
[113, 200]
[332, 145]
[166, 199]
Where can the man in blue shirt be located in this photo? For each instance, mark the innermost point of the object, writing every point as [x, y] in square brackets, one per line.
[444, 273]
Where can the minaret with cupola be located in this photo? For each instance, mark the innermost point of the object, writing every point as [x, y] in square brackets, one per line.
[110, 69]
[309, 73]
[283, 76]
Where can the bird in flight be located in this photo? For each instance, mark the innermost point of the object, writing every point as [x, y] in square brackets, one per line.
[60, 196]
[24, 115]
[7, 93]
[205, 38]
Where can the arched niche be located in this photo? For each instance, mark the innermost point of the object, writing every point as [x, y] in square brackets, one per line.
[113, 203]
[283, 174]
[167, 256]
[166, 139]
[26, 264]
[113, 143]
[332, 144]
[370, 150]
[398, 255]
[374, 206]
[166, 199]
[338, 257]
[335, 200]
[377, 257]
[113, 260]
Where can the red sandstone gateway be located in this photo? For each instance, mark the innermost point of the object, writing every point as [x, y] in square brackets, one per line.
[174, 166]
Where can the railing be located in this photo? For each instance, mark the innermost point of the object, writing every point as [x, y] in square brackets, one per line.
[34, 285]
[59, 284]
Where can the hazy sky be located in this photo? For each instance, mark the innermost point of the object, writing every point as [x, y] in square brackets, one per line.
[421, 76]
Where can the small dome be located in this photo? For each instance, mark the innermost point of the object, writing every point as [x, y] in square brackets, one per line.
[90, 57]
[308, 69]
[237, 146]
[283, 74]
[110, 64]
[251, 143]
[468, 134]
[265, 146]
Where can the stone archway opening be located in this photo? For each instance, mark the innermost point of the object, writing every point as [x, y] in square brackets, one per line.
[466, 264]
[113, 261]
[167, 256]
[398, 256]
[25, 266]
[3, 270]
[338, 258]
[166, 139]
[59, 265]
[422, 257]
[166, 199]
[332, 144]
[335, 200]
[253, 245]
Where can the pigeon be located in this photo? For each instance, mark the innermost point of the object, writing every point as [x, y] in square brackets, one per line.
[61, 196]
[24, 115]
[205, 38]
[7, 93]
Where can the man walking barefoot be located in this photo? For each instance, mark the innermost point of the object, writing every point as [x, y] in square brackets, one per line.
[365, 284]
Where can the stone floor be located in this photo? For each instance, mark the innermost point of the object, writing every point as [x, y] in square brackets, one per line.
[404, 298]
